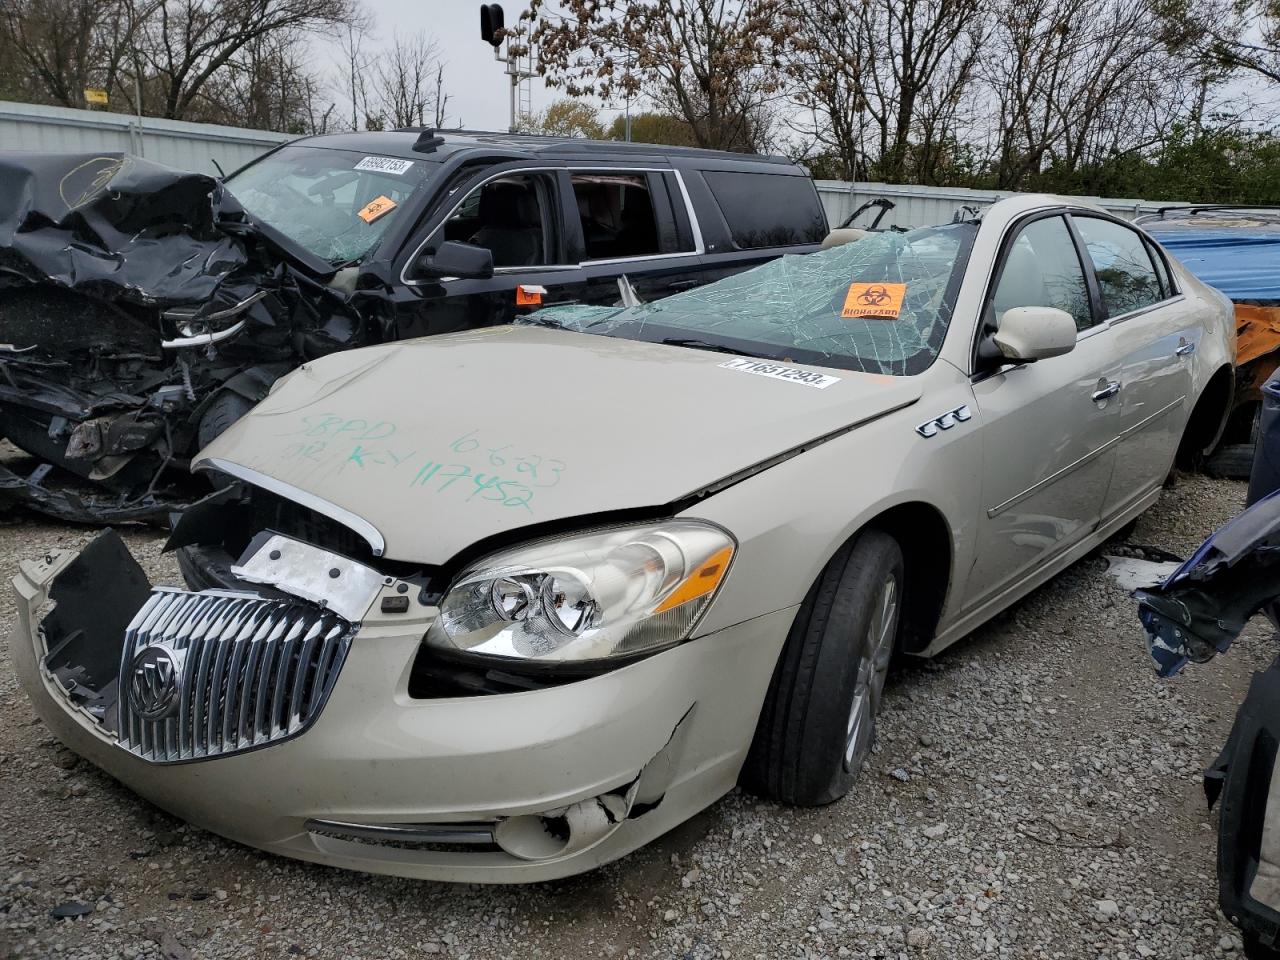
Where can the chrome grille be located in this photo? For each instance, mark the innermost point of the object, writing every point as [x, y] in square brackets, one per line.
[253, 671]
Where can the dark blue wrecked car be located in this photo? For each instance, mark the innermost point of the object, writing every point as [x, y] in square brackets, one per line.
[1197, 612]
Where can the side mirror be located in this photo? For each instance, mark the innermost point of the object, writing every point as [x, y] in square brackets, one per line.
[454, 259]
[1027, 334]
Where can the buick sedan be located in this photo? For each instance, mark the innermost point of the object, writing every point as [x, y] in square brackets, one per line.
[506, 604]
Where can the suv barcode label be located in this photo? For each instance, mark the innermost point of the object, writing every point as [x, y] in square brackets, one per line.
[385, 165]
[763, 368]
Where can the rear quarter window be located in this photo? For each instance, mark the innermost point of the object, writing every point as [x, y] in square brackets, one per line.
[768, 210]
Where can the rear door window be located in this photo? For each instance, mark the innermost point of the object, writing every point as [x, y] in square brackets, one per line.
[768, 210]
[617, 214]
[1126, 276]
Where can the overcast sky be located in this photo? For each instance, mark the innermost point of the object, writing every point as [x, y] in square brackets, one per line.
[477, 87]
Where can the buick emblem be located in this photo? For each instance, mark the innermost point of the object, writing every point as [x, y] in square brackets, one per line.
[155, 677]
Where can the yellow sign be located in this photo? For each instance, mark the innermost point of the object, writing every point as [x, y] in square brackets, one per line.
[96, 96]
[880, 301]
[376, 208]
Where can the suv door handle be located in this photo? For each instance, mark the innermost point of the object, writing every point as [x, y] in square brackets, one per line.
[1185, 347]
[1106, 390]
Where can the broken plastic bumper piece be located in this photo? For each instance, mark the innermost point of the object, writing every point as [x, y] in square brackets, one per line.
[279, 715]
[1201, 608]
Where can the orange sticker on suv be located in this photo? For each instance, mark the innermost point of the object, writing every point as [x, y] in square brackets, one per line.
[376, 208]
[878, 301]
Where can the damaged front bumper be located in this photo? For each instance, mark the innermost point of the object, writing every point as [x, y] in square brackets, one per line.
[281, 716]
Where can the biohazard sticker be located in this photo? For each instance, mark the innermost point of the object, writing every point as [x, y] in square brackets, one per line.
[375, 208]
[385, 165]
[874, 301]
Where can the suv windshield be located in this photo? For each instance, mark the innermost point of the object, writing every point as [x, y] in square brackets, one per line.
[881, 304]
[335, 203]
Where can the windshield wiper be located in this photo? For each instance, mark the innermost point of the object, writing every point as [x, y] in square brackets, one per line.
[697, 344]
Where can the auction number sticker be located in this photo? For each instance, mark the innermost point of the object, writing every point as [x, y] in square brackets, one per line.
[385, 165]
[791, 374]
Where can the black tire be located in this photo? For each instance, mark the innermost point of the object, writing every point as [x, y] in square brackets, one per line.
[226, 409]
[1254, 949]
[1234, 461]
[800, 751]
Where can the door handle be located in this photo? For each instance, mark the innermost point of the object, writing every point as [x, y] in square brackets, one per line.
[1185, 347]
[1106, 390]
[683, 284]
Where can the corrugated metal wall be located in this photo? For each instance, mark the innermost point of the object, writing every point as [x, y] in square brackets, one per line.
[924, 206]
[187, 146]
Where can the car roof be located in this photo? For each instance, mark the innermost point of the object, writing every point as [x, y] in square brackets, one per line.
[444, 143]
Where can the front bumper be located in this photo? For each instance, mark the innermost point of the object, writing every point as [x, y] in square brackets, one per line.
[535, 785]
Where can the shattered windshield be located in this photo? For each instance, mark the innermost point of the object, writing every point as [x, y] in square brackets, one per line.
[335, 203]
[881, 304]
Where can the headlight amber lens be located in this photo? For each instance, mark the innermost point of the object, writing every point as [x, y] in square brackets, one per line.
[617, 593]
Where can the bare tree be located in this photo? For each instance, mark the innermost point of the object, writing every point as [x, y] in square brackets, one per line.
[56, 48]
[268, 85]
[1075, 81]
[716, 63]
[886, 80]
[185, 43]
[356, 66]
[407, 82]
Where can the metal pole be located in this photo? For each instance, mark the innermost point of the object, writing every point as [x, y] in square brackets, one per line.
[628, 135]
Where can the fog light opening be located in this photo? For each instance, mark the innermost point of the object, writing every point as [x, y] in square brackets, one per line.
[566, 830]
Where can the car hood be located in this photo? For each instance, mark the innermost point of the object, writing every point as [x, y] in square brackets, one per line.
[433, 445]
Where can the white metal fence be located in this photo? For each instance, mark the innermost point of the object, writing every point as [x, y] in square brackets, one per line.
[923, 206]
[177, 143]
[196, 146]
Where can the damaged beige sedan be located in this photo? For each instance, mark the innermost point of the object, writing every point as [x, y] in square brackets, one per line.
[507, 604]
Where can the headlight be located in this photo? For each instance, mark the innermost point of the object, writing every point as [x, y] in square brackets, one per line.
[614, 594]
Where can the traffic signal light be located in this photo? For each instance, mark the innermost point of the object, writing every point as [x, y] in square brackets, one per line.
[491, 21]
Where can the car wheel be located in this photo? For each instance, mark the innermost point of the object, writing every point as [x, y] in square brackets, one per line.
[226, 409]
[1231, 461]
[817, 724]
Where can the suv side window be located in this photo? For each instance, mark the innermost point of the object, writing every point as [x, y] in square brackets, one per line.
[1042, 269]
[508, 215]
[1122, 263]
[617, 215]
[768, 210]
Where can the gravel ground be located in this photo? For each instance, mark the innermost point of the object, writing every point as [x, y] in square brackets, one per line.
[1035, 793]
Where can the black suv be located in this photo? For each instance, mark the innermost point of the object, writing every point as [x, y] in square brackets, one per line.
[567, 217]
[142, 309]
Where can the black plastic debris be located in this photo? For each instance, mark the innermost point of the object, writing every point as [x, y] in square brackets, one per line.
[70, 910]
[1200, 609]
[142, 311]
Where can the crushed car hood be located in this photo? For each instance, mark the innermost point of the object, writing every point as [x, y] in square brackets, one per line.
[439, 443]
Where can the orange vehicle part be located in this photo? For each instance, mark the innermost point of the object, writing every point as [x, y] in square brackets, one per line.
[1257, 349]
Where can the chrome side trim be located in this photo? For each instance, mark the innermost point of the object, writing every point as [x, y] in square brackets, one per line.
[1122, 317]
[203, 339]
[359, 525]
[1039, 485]
[946, 421]
[699, 247]
[460, 833]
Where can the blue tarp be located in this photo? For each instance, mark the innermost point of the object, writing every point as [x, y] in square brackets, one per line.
[1242, 261]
